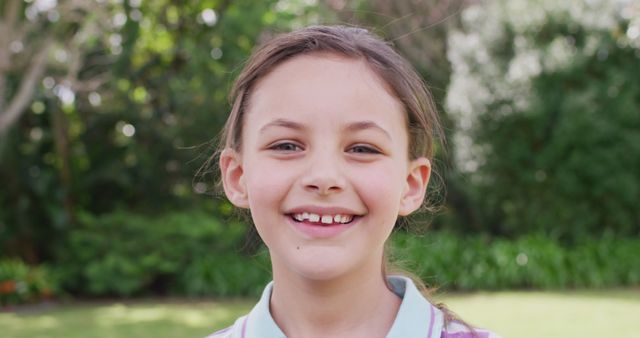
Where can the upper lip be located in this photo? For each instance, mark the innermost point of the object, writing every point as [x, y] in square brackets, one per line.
[323, 210]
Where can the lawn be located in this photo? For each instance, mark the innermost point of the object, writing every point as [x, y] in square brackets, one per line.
[511, 314]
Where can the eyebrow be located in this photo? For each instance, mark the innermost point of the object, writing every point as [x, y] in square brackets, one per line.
[282, 123]
[352, 127]
[363, 125]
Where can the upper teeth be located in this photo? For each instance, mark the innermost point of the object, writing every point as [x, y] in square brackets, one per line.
[325, 219]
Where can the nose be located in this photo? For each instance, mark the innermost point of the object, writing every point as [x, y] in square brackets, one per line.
[324, 174]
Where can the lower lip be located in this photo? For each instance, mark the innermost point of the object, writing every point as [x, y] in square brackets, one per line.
[322, 231]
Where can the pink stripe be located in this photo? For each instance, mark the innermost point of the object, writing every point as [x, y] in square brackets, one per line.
[431, 322]
[244, 326]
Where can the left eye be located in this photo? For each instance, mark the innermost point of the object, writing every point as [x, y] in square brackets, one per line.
[362, 149]
[286, 146]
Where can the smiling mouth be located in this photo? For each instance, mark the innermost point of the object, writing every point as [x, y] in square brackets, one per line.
[322, 220]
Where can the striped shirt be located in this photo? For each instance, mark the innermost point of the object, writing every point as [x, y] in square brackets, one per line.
[416, 318]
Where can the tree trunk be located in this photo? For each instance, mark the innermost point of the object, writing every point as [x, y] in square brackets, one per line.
[19, 102]
[60, 125]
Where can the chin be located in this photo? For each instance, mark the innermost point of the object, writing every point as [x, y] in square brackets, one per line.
[321, 275]
[320, 268]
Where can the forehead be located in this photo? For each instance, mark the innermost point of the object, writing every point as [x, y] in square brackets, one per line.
[324, 85]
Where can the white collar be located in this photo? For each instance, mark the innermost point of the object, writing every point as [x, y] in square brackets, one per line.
[416, 316]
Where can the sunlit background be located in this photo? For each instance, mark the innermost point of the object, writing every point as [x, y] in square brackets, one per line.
[111, 221]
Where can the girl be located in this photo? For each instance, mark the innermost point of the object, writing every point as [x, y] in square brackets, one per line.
[329, 140]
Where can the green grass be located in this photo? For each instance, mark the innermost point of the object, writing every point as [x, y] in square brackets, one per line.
[552, 314]
[511, 314]
[157, 318]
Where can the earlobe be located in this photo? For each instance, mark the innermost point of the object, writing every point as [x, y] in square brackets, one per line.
[232, 174]
[416, 186]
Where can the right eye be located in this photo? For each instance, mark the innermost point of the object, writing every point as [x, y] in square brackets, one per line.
[285, 147]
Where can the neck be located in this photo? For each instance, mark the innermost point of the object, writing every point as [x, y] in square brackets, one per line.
[355, 305]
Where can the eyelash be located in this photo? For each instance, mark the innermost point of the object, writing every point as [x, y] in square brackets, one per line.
[284, 145]
[367, 149]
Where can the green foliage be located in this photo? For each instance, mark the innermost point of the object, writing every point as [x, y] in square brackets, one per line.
[136, 140]
[549, 130]
[192, 253]
[187, 253]
[21, 283]
[237, 276]
[545, 96]
[532, 261]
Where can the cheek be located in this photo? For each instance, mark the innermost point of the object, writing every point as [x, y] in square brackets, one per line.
[264, 179]
[381, 186]
[262, 192]
[267, 185]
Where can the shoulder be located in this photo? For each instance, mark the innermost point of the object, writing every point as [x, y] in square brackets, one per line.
[459, 330]
[234, 330]
[224, 333]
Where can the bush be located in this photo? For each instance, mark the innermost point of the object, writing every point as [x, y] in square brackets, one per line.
[21, 283]
[187, 253]
[546, 99]
[194, 254]
[533, 261]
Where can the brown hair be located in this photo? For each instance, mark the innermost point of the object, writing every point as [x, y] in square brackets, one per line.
[394, 70]
[405, 84]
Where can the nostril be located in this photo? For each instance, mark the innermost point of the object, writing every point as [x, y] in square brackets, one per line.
[324, 190]
[323, 183]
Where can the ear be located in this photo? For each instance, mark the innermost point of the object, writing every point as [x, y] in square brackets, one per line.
[233, 178]
[416, 186]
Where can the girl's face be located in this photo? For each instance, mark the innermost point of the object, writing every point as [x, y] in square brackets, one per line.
[324, 166]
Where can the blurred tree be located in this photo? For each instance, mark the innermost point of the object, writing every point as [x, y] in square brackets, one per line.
[546, 98]
[133, 122]
[42, 45]
[29, 32]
